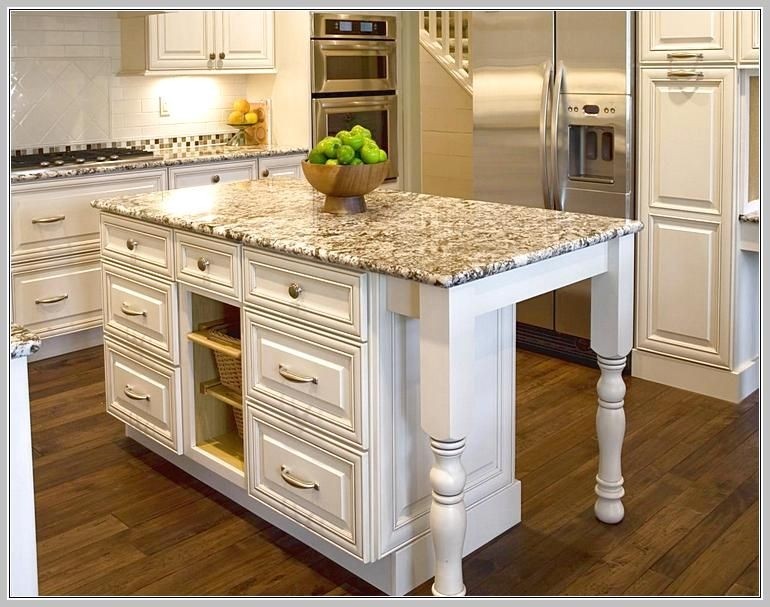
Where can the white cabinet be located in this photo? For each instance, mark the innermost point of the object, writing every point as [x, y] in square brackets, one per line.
[748, 37]
[681, 36]
[208, 174]
[198, 41]
[281, 166]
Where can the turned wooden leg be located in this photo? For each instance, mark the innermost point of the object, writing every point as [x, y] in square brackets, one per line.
[610, 429]
[447, 516]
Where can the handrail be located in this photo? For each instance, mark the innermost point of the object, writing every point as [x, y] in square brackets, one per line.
[450, 49]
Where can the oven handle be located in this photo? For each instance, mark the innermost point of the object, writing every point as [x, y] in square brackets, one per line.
[346, 103]
[371, 47]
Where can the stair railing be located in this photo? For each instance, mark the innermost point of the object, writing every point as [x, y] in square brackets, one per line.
[445, 35]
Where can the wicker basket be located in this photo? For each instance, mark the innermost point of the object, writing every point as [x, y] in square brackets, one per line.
[229, 369]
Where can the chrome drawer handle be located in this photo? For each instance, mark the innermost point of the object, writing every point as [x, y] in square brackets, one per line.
[297, 379]
[129, 311]
[203, 263]
[129, 391]
[294, 290]
[684, 55]
[51, 300]
[54, 219]
[296, 482]
[685, 74]
[131, 244]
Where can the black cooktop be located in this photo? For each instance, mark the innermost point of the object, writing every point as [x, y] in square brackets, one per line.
[76, 157]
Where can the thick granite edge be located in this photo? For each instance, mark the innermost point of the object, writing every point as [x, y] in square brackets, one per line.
[168, 159]
[288, 220]
[23, 342]
[749, 217]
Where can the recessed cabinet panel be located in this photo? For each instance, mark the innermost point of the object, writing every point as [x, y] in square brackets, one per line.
[185, 177]
[748, 42]
[681, 36]
[246, 39]
[686, 164]
[180, 40]
[685, 289]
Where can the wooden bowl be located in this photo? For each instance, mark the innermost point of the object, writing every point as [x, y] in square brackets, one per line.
[345, 185]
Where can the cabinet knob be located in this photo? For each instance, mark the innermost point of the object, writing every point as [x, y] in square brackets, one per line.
[294, 290]
[212, 56]
[221, 55]
[215, 179]
[203, 263]
[131, 244]
[266, 173]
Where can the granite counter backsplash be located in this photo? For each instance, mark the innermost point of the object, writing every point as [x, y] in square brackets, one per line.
[431, 239]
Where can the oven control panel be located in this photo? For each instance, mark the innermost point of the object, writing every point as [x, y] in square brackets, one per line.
[336, 25]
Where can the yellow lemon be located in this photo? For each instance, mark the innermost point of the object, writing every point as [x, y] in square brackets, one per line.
[235, 117]
[242, 106]
[250, 117]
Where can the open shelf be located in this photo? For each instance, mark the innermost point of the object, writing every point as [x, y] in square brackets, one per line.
[215, 388]
[204, 338]
[225, 447]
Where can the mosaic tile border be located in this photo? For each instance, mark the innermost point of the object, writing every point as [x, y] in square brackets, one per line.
[150, 145]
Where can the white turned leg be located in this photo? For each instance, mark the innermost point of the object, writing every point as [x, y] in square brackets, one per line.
[610, 429]
[447, 516]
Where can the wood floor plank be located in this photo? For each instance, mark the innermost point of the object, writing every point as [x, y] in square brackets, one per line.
[89, 532]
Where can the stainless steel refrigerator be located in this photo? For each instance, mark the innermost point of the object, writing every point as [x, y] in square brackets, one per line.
[553, 124]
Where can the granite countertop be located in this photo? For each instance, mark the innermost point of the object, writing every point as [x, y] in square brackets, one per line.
[162, 159]
[752, 217]
[430, 239]
[23, 342]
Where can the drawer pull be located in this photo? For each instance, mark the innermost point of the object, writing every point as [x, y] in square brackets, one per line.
[131, 244]
[129, 311]
[294, 290]
[51, 300]
[54, 219]
[215, 179]
[684, 55]
[212, 56]
[203, 263]
[296, 482]
[297, 379]
[222, 55]
[266, 173]
[685, 74]
[129, 391]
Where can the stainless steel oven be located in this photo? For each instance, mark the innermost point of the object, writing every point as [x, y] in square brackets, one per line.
[378, 113]
[354, 77]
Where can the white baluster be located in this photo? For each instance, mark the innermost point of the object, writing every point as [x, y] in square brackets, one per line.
[445, 32]
[432, 25]
[458, 39]
[610, 430]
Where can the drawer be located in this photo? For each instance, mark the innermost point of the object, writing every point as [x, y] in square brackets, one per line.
[55, 217]
[137, 244]
[331, 297]
[143, 394]
[58, 297]
[142, 311]
[185, 177]
[209, 263]
[314, 378]
[282, 166]
[316, 483]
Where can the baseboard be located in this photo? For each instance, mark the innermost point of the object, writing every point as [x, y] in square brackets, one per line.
[395, 574]
[71, 342]
[732, 386]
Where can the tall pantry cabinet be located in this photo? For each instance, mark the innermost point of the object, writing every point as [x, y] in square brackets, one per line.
[696, 321]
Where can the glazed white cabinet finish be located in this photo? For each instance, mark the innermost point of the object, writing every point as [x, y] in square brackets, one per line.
[281, 166]
[221, 172]
[180, 40]
[748, 39]
[682, 36]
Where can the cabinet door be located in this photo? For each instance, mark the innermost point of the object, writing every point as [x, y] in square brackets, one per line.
[185, 177]
[245, 40]
[687, 36]
[748, 40]
[281, 166]
[686, 139]
[181, 40]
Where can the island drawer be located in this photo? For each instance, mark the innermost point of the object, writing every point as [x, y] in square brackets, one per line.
[137, 244]
[197, 175]
[331, 297]
[143, 394]
[316, 483]
[141, 311]
[209, 263]
[315, 378]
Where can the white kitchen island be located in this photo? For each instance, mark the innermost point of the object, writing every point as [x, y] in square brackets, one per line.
[370, 343]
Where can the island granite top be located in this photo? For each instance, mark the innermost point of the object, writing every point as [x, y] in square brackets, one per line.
[198, 155]
[431, 239]
[23, 342]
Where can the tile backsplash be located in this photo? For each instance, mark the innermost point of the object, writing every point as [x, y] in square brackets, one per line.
[65, 89]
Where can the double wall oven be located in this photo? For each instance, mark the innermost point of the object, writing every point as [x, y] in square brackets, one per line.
[354, 78]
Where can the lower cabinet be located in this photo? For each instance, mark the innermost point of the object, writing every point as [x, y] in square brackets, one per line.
[208, 174]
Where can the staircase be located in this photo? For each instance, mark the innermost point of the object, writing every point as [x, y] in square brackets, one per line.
[445, 35]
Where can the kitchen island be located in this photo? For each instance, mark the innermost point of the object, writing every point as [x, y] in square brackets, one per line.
[367, 344]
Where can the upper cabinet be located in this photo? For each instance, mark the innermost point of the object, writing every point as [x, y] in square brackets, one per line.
[687, 35]
[192, 41]
[748, 37]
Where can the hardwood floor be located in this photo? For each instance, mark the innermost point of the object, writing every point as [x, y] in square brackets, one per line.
[115, 519]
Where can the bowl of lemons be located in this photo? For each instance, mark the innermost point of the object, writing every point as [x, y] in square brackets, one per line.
[345, 167]
[241, 118]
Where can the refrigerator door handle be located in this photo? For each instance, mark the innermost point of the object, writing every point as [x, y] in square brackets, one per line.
[555, 185]
[545, 99]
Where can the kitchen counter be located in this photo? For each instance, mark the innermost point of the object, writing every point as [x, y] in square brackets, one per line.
[752, 217]
[429, 239]
[23, 342]
[198, 155]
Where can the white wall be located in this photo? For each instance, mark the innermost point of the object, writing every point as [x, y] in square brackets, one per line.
[64, 87]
